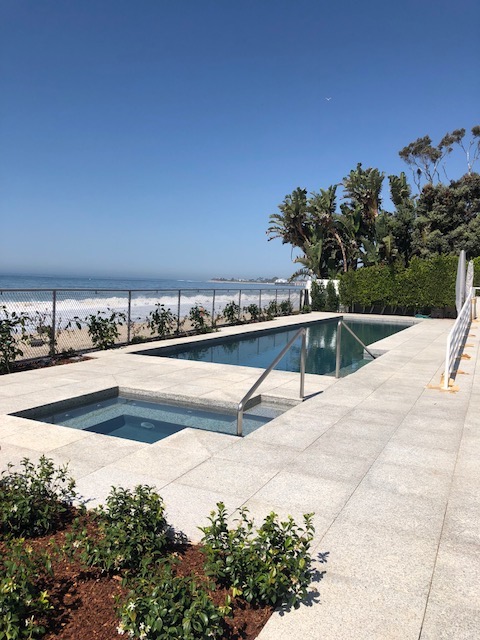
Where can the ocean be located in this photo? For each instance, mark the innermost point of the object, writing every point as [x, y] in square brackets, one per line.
[112, 293]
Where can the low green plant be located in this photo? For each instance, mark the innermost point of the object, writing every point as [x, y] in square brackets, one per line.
[318, 296]
[231, 312]
[160, 321]
[13, 331]
[271, 566]
[285, 308]
[36, 499]
[198, 317]
[102, 327]
[169, 607]
[131, 530]
[271, 310]
[253, 311]
[22, 599]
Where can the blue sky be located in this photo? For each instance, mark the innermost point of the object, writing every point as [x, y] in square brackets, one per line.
[155, 137]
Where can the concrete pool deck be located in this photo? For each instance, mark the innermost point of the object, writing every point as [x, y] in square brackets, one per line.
[387, 461]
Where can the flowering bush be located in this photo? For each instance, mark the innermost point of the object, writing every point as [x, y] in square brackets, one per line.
[171, 607]
[198, 316]
[34, 500]
[102, 327]
[272, 567]
[131, 530]
[231, 312]
[253, 311]
[160, 321]
[22, 599]
[285, 308]
[12, 333]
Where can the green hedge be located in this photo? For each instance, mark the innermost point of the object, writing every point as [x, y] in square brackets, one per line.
[424, 285]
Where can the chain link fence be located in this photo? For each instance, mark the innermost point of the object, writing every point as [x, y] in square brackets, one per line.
[51, 322]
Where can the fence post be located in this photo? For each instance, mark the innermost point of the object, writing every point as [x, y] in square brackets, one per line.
[260, 301]
[54, 322]
[178, 311]
[239, 305]
[338, 346]
[129, 316]
[213, 309]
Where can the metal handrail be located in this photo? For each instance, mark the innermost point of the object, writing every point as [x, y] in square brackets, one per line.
[456, 336]
[341, 324]
[241, 405]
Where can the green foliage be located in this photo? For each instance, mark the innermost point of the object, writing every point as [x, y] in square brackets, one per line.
[199, 316]
[443, 219]
[160, 321]
[285, 308]
[424, 284]
[318, 296]
[231, 312]
[131, 530]
[102, 327]
[12, 333]
[22, 599]
[448, 218]
[271, 310]
[167, 607]
[425, 159]
[34, 500]
[331, 297]
[271, 566]
[253, 311]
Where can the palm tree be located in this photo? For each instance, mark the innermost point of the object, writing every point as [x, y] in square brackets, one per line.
[291, 224]
[362, 188]
[323, 208]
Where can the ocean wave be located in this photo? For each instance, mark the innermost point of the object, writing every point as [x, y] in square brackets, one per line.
[69, 308]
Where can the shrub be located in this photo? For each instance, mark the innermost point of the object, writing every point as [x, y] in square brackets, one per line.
[424, 284]
[35, 500]
[331, 302]
[12, 333]
[231, 312]
[102, 327]
[272, 567]
[22, 600]
[131, 529]
[285, 308]
[198, 316]
[271, 310]
[160, 321]
[170, 607]
[253, 311]
[318, 296]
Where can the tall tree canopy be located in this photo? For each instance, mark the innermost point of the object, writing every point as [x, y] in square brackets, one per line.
[442, 219]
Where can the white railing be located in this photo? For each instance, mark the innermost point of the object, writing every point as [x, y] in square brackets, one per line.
[457, 335]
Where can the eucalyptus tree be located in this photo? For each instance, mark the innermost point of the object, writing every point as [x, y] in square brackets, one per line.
[426, 159]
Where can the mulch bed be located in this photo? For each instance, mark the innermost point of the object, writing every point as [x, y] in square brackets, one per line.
[41, 363]
[85, 602]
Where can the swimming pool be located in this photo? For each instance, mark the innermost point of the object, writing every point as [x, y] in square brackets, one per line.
[125, 416]
[258, 349]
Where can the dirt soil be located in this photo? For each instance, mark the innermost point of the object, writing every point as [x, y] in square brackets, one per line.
[85, 602]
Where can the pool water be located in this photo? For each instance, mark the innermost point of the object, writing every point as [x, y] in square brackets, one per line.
[260, 350]
[146, 421]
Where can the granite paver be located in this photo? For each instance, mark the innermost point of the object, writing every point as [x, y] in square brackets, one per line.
[388, 462]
